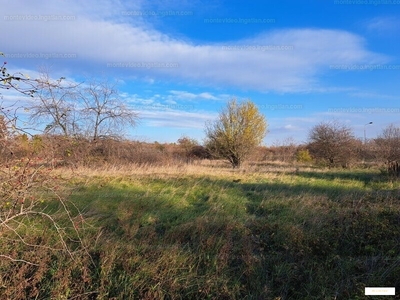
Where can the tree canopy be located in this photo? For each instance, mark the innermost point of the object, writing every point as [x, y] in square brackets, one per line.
[238, 130]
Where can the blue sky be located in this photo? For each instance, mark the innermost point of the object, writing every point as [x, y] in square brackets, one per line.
[179, 62]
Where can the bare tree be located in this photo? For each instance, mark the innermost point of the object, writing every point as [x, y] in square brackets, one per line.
[56, 105]
[105, 113]
[388, 143]
[285, 149]
[332, 143]
[239, 129]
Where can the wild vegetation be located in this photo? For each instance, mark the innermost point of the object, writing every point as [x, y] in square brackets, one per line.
[89, 215]
[206, 231]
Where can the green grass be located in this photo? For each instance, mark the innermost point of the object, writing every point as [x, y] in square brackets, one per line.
[273, 235]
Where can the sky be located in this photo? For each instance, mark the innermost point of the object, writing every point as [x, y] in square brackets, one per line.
[178, 62]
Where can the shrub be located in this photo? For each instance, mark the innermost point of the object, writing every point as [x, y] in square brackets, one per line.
[303, 156]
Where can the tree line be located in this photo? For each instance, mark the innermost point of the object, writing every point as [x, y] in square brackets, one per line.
[93, 111]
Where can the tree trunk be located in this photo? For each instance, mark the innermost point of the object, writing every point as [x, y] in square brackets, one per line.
[235, 161]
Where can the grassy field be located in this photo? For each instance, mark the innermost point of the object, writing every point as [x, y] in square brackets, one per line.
[267, 231]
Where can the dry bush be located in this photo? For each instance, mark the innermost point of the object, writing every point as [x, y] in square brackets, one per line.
[37, 224]
[266, 154]
[57, 150]
[388, 144]
[386, 149]
[333, 144]
[42, 254]
[74, 152]
[258, 154]
[148, 154]
[199, 152]
[279, 152]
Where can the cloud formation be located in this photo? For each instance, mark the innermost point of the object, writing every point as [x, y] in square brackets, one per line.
[104, 37]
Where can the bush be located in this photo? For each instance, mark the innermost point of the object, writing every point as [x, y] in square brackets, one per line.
[333, 144]
[303, 156]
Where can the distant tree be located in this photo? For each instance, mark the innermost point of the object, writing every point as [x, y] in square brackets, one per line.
[186, 145]
[332, 143]
[200, 152]
[104, 112]
[159, 147]
[238, 130]
[388, 144]
[286, 149]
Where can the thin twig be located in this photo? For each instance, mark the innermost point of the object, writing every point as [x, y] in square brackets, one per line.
[18, 260]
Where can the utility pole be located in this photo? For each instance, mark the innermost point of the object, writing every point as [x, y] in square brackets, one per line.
[365, 135]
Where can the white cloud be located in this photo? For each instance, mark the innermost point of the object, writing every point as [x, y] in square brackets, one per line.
[176, 119]
[184, 95]
[136, 100]
[290, 127]
[207, 96]
[169, 101]
[383, 24]
[104, 36]
[372, 95]
[303, 120]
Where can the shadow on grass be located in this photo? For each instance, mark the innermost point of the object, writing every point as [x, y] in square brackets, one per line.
[278, 192]
[172, 249]
[174, 239]
[125, 210]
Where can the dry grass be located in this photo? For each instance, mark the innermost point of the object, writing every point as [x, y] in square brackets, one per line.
[201, 168]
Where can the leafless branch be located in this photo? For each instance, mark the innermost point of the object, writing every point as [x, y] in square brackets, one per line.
[18, 260]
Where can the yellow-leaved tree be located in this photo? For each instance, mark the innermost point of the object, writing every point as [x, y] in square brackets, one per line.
[238, 130]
